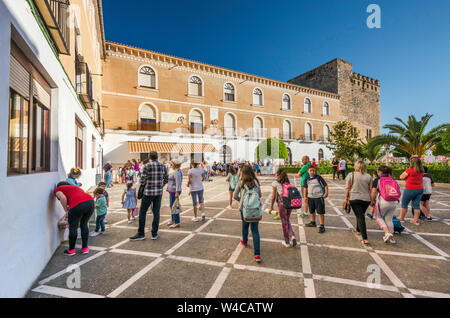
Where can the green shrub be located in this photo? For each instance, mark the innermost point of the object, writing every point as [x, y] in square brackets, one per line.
[440, 172]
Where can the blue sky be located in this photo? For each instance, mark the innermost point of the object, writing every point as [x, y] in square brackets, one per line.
[278, 39]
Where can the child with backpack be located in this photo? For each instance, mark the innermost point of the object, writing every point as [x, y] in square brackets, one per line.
[288, 198]
[385, 196]
[315, 189]
[248, 193]
[232, 179]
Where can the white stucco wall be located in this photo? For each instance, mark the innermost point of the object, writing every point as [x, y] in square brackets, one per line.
[28, 209]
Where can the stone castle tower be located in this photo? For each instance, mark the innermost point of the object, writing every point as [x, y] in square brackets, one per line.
[360, 95]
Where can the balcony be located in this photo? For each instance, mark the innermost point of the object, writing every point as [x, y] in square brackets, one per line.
[307, 137]
[96, 115]
[84, 83]
[147, 126]
[55, 15]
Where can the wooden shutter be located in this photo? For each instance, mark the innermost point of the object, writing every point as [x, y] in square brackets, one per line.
[41, 94]
[19, 78]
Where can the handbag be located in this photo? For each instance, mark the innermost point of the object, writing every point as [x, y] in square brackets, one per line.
[347, 207]
[135, 212]
[141, 191]
[176, 208]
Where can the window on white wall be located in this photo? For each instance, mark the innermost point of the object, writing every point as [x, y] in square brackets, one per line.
[147, 77]
[326, 132]
[195, 86]
[286, 102]
[230, 125]
[257, 97]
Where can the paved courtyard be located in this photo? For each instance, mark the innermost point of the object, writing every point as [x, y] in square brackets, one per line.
[205, 259]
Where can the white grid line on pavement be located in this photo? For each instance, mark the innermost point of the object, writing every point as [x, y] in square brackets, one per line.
[417, 292]
[64, 292]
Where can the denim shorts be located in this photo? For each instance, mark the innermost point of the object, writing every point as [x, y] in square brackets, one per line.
[195, 195]
[412, 195]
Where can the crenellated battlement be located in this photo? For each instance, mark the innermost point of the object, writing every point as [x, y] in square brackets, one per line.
[365, 82]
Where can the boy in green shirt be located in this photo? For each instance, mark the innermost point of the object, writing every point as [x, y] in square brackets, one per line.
[101, 208]
[303, 173]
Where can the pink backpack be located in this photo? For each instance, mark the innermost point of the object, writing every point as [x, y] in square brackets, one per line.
[389, 189]
[291, 198]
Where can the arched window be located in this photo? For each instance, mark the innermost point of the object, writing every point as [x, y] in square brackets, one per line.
[286, 105]
[229, 94]
[147, 118]
[257, 97]
[320, 154]
[196, 122]
[230, 125]
[258, 127]
[147, 77]
[307, 107]
[308, 131]
[326, 132]
[195, 86]
[289, 159]
[287, 134]
[326, 109]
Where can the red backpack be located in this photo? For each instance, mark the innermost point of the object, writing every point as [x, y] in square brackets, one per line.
[290, 197]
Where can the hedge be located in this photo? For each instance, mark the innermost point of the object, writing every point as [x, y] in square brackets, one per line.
[439, 173]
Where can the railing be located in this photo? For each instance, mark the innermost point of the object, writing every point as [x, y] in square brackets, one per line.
[84, 83]
[307, 137]
[147, 126]
[55, 14]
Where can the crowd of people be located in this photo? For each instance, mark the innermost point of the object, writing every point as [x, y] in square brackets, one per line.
[362, 190]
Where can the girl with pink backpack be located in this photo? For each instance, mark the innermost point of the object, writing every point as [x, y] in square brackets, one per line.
[282, 188]
[385, 196]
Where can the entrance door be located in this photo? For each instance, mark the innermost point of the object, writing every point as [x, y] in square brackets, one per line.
[226, 154]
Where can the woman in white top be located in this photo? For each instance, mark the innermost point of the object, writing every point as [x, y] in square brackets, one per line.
[196, 177]
[357, 190]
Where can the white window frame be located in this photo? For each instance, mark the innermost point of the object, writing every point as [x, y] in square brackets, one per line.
[235, 93]
[151, 105]
[188, 85]
[262, 97]
[310, 105]
[282, 102]
[139, 75]
[311, 132]
[261, 133]
[290, 129]
[323, 108]
[235, 124]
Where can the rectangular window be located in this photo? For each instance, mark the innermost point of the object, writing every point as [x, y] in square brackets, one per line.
[78, 145]
[29, 124]
[93, 152]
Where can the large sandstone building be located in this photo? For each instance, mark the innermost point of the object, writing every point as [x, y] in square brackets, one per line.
[176, 106]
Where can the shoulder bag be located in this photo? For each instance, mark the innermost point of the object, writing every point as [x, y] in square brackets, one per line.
[346, 207]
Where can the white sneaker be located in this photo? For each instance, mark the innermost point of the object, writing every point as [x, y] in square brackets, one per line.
[203, 216]
[129, 222]
[174, 226]
[169, 223]
[285, 244]
[392, 240]
[94, 234]
[386, 237]
[195, 219]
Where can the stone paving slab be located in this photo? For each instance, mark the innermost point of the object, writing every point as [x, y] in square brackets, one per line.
[205, 259]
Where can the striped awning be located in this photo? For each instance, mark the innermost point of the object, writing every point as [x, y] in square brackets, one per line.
[169, 147]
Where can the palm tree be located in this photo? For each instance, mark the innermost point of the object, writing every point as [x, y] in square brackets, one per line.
[409, 138]
[371, 153]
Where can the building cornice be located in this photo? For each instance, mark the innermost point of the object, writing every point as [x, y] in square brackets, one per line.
[120, 50]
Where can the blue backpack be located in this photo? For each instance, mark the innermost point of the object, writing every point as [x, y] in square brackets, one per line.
[251, 205]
